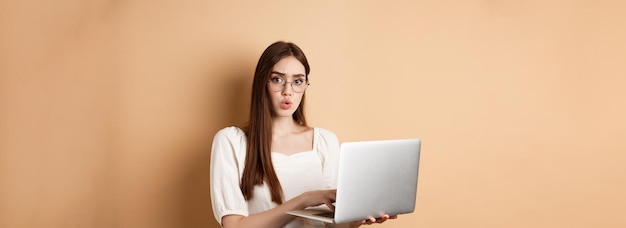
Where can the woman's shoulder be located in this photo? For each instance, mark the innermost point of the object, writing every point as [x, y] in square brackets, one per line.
[229, 140]
[324, 132]
[230, 133]
[325, 135]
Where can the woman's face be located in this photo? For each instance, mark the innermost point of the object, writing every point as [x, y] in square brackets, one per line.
[284, 99]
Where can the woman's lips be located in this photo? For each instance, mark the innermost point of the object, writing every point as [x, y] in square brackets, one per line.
[285, 104]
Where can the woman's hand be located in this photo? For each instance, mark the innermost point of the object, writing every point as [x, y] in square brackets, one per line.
[372, 220]
[327, 197]
[319, 197]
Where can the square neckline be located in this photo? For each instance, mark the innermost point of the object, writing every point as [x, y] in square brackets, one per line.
[315, 137]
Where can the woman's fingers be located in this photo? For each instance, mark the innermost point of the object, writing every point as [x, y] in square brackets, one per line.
[372, 220]
[369, 221]
[382, 219]
[319, 197]
[330, 198]
[330, 205]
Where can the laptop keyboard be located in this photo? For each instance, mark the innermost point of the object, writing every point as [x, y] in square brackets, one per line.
[327, 214]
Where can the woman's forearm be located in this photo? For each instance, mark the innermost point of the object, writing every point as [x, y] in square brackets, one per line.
[275, 217]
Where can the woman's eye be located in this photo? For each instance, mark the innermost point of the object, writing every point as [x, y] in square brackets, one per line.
[298, 81]
[277, 80]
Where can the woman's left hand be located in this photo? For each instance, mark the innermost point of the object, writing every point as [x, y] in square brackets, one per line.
[372, 220]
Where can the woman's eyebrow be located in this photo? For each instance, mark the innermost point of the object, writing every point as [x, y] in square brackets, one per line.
[276, 72]
[283, 74]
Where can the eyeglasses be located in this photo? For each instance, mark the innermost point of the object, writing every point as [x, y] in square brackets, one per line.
[277, 84]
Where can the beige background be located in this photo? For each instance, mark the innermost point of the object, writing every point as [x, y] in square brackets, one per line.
[108, 108]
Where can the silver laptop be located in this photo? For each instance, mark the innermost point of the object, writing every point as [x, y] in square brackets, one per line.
[375, 178]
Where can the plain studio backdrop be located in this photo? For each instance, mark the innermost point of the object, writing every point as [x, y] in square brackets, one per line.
[108, 108]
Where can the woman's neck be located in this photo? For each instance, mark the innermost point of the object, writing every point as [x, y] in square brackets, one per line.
[284, 125]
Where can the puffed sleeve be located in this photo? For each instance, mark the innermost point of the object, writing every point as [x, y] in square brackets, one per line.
[328, 148]
[226, 165]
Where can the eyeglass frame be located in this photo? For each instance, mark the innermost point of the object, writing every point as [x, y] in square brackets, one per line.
[284, 84]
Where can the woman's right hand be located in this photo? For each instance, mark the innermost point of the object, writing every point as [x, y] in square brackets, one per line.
[277, 217]
[319, 197]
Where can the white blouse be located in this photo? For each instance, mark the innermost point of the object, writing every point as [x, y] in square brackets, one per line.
[297, 173]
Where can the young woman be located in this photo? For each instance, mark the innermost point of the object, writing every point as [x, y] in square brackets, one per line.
[276, 163]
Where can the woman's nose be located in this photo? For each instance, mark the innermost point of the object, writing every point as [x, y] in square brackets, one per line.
[287, 88]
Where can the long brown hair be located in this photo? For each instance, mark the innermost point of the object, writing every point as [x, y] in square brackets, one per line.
[258, 164]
